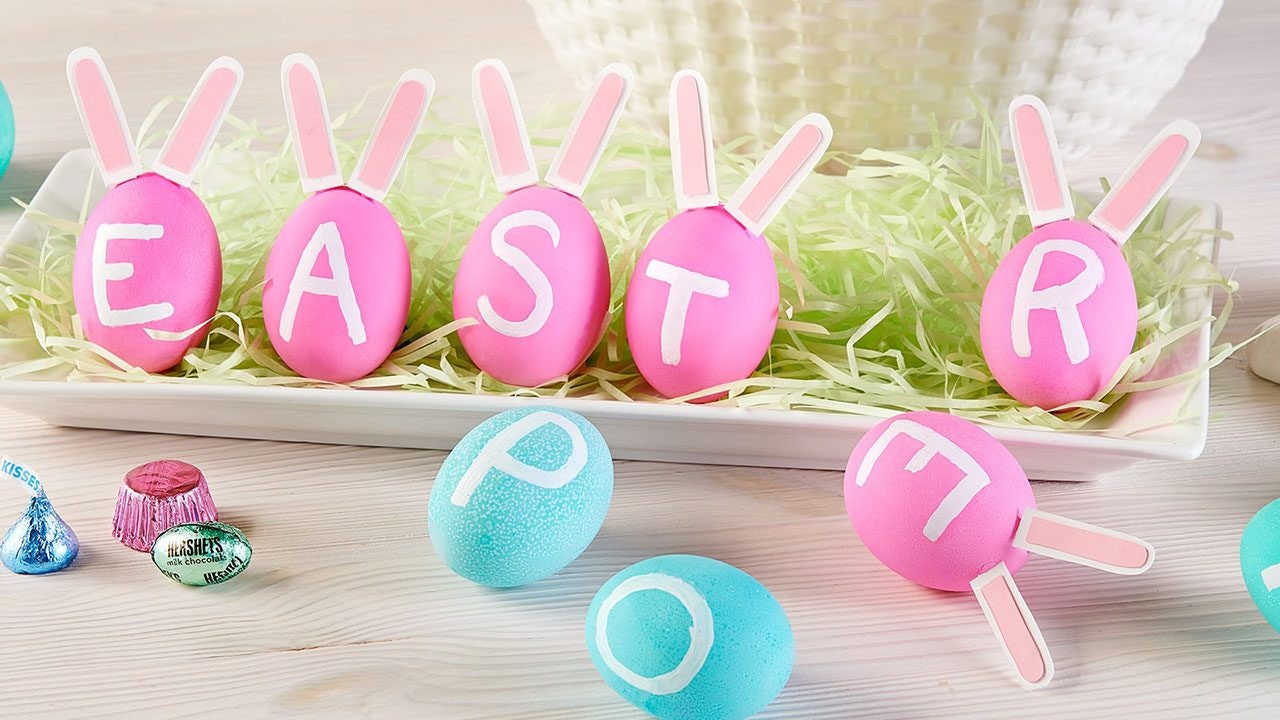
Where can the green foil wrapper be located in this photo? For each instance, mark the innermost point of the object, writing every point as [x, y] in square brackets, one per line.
[205, 553]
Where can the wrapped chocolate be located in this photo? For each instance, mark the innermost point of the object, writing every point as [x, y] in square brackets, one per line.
[40, 541]
[157, 496]
[201, 553]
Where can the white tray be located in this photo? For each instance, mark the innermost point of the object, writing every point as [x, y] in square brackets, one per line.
[642, 431]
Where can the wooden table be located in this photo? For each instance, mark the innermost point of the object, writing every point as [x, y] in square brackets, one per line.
[346, 610]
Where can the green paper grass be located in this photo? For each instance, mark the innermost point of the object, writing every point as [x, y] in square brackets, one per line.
[883, 261]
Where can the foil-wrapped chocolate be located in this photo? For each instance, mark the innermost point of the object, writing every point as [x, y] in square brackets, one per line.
[204, 553]
[156, 496]
[40, 541]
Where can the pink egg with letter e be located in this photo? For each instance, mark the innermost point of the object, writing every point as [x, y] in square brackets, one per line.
[1060, 313]
[702, 305]
[337, 287]
[148, 268]
[942, 503]
[535, 275]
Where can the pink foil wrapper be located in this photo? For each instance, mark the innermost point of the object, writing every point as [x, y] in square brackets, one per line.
[156, 496]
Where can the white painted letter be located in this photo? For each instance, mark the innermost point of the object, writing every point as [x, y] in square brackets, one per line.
[496, 454]
[684, 283]
[528, 270]
[1063, 299]
[975, 478]
[102, 272]
[1271, 577]
[327, 238]
[701, 633]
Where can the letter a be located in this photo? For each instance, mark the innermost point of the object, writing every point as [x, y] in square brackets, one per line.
[327, 238]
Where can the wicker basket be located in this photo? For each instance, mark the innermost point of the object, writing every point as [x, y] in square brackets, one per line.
[879, 68]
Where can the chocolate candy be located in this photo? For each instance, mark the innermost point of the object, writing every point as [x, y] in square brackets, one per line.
[204, 553]
[156, 496]
[40, 541]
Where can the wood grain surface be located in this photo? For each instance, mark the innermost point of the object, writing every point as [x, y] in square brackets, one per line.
[345, 611]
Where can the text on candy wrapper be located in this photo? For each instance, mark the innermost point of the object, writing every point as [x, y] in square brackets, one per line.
[1271, 577]
[22, 474]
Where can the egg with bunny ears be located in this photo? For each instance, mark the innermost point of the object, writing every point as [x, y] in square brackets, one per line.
[942, 503]
[1060, 312]
[148, 268]
[337, 287]
[702, 305]
[535, 275]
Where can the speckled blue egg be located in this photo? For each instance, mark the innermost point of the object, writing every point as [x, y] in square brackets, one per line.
[7, 130]
[521, 496]
[683, 636]
[1260, 561]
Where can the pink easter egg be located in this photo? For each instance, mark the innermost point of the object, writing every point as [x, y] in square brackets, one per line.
[148, 259]
[936, 499]
[1059, 315]
[702, 305]
[536, 277]
[337, 286]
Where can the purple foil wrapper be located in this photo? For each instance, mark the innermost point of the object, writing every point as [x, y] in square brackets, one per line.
[156, 496]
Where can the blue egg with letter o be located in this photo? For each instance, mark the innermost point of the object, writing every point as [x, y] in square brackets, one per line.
[1260, 561]
[520, 496]
[7, 130]
[684, 636]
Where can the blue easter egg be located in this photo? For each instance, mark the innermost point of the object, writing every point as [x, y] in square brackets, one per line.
[1260, 561]
[683, 636]
[7, 130]
[520, 496]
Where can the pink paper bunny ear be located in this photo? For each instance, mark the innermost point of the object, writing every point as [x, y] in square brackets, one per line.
[389, 145]
[778, 176]
[1014, 627]
[692, 150]
[502, 126]
[1062, 538]
[201, 117]
[1147, 180]
[582, 147]
[308, 116]
[103, 118]
[1035, 148]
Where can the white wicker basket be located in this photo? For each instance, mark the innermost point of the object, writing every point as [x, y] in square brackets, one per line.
[879, 68]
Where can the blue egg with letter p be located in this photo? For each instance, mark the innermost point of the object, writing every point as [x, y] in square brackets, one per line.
[520, 496]
[683, 636]
[1260, 561]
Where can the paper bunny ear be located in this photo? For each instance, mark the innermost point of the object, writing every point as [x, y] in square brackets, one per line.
[1062, 538]
[502, 126]
[692, 150]
[1035, 148]
[308, 116]
[582, 147]
[774, 180]
[201, 117]
[1014, 627]
[103, 118]
[1147, 180]
[389, 145]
